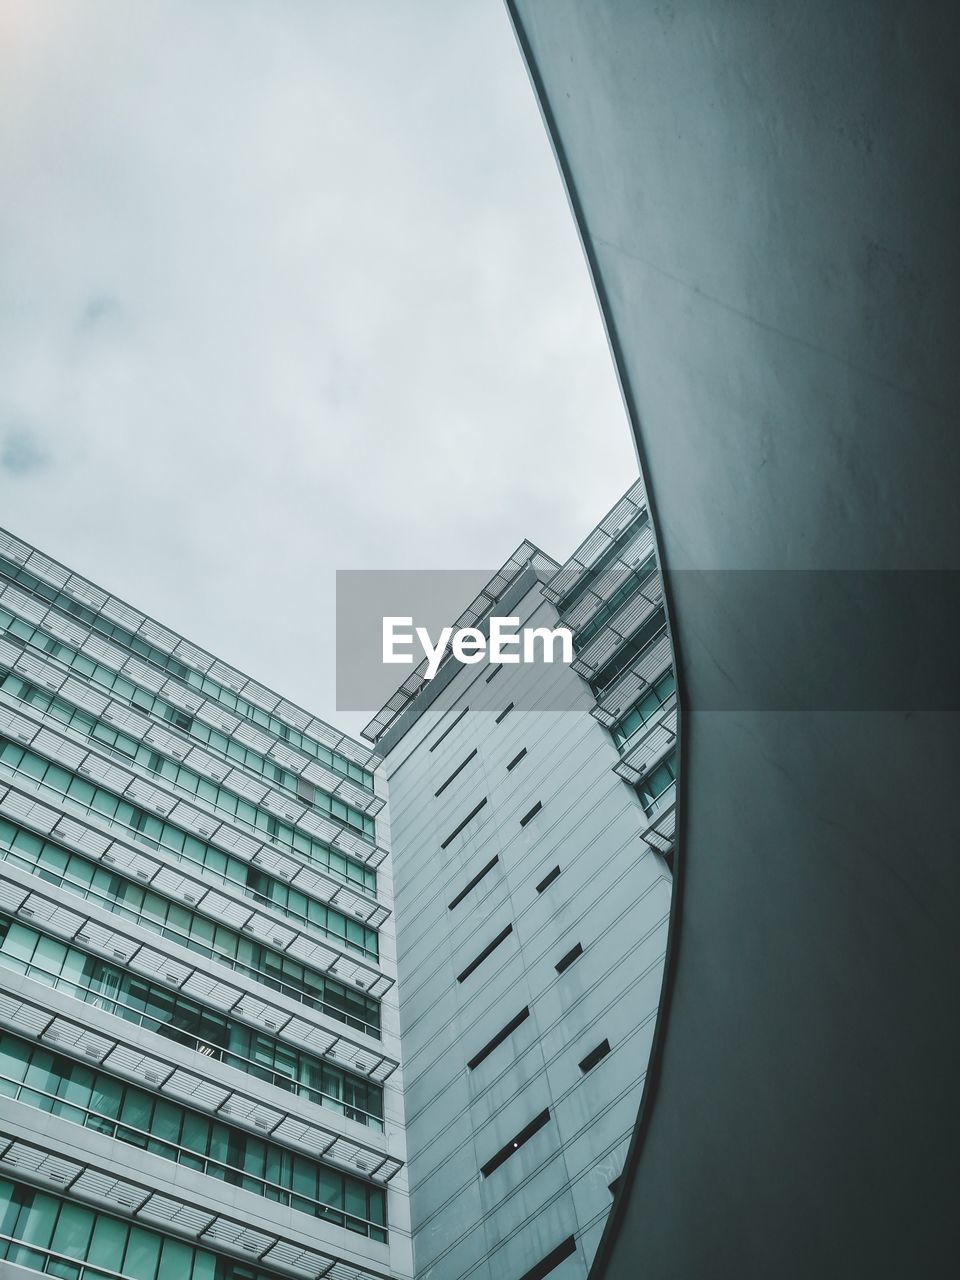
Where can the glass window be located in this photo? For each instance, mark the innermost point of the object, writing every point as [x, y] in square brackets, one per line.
[142, 1254]
[58, 778]
[49, 954]
[142, 699]
[377, 1206]
[19, 942]
[305, 1177]
[355, 1198]
[13, 1058]
[11, 755]
[657, 789]
[107, 1243]
[33, 766]
[196, 1132]
[36, 1221]
[76, 1081]
[207, 790]
[278, 1165]
[106, 1096]
[331, 1189]
[166, 1121]
[81, 791]
[72, 972]
[137, 1108]
[176, 1260]
[74, 1228]
[206, 1266]
[104, 803]
[201, 928]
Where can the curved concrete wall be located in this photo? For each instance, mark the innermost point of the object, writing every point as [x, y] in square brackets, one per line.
[768, 196]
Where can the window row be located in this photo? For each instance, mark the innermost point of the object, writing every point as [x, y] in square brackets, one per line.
[662, 689]
[236, 752]
[152, 704]
[114, 810]
[146, 828]
[59, 1237]
[225, 697]
[646, 635]
[604, 560]
[179, 775]
[658, 788]
[632, 585]
[186, 779]
[99, 1101]
[88, 879]
[176, 1017]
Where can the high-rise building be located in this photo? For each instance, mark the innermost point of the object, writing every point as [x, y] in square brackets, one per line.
[206, 995]
[198, 1033]
[531, 819]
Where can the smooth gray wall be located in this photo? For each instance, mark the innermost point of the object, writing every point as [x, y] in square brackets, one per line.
[768, 194]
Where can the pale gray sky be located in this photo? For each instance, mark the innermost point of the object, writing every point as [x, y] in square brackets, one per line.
[288, 286]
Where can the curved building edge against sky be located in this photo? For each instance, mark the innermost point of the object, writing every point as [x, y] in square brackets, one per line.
[768, 201]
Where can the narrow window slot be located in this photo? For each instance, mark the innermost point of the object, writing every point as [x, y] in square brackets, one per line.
[495, 672]
[594, 1056]
[514, 1145]
[532, 814]
[552, 1260]
[504, 713]
[569, 958]
[472, 884]
[516, 759]
[487, 951]
[548, 880]
[443, 786]
[450, 728]
[469, 818]
[498, 1039]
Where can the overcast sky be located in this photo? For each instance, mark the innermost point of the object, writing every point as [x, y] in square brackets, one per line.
[288, 286]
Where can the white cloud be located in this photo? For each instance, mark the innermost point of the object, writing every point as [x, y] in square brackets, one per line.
[295, 288]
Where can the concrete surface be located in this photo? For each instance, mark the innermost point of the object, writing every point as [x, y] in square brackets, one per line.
[768, 195]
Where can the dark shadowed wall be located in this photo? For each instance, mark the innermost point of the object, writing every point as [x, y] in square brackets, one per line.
[768, 195]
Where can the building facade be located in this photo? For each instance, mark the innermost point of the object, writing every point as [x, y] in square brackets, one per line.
[199, 1050]
[206, 995]
[531, 817]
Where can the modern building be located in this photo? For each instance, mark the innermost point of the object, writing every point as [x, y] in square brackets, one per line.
[201, 1032]
[531, 818]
